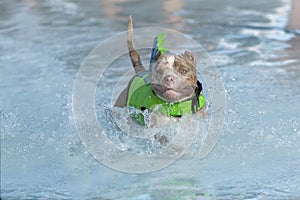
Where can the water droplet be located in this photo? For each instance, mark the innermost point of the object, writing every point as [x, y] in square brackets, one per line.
[232, 78]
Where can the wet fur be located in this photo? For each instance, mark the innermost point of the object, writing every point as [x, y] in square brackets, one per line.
[168, 65]
[164, 66]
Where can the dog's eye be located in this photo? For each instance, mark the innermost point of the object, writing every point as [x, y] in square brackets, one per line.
[183, 71]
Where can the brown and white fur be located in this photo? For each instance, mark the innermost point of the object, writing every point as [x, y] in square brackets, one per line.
[173, 76]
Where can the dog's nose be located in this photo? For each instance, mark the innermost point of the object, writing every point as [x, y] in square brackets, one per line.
[169, 79]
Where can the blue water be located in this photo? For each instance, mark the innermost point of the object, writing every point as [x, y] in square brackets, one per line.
[42, 45]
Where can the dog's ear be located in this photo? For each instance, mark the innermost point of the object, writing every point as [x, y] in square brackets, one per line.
[189, 56]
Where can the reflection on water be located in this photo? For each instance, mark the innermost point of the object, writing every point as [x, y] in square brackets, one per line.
[254, 43]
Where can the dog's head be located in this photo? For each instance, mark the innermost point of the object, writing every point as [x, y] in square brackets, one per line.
[174, 77]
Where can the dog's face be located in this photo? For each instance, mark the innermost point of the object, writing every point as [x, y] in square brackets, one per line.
[174, 77]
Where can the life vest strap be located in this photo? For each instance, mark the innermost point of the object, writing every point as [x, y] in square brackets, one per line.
[195, 99]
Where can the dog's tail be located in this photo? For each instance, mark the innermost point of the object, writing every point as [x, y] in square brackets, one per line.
[134, 55]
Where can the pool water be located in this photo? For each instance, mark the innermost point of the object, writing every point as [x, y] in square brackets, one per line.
[43, 44]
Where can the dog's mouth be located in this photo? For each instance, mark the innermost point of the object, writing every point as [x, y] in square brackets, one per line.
[171, 94]
[162, 89]
[169, 89]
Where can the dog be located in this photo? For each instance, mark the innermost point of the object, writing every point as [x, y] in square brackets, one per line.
[170, 86]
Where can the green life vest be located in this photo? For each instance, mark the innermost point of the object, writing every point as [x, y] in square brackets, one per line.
[142, 97]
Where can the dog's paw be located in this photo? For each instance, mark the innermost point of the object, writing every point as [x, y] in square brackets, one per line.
[201, 112]
[158, 120]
